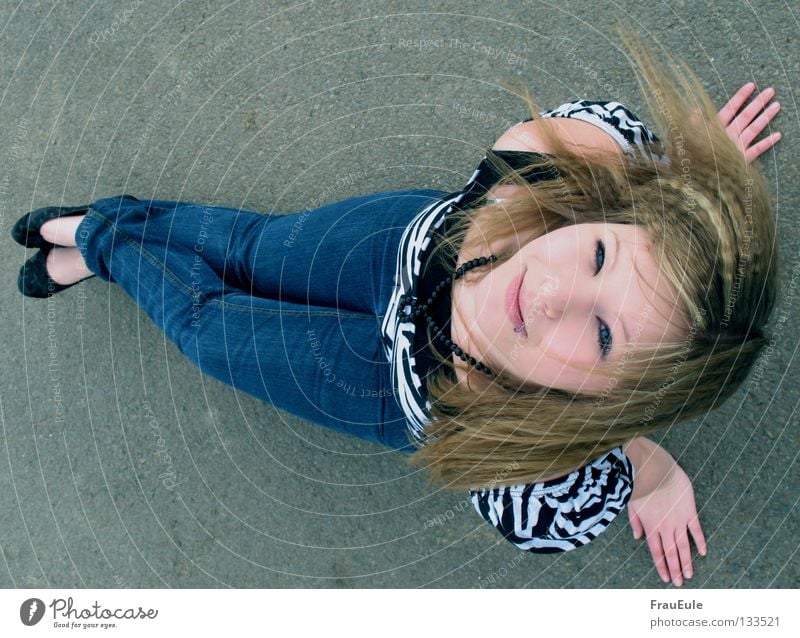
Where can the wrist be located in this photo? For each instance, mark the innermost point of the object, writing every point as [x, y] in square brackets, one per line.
[653, 466]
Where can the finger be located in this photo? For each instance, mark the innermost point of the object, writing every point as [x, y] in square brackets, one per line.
[742, 121]
[673, 561]
[684, 553]
[759, 124]
[764, 145]
[636, 525]
[654, 543]
[728, 112]
[697, 536]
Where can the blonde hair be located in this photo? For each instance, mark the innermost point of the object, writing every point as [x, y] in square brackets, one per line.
[710, 219]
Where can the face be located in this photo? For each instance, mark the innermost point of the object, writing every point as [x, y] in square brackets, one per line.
[569, 299]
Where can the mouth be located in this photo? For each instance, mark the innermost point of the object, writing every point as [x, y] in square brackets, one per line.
[513, 307]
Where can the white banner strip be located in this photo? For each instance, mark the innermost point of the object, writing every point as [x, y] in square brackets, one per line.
[389, 613]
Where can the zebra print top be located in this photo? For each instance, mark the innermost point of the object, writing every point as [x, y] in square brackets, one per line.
[549, 516]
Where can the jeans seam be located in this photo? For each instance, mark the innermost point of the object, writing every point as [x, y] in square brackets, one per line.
[301, 313]
[157, 263]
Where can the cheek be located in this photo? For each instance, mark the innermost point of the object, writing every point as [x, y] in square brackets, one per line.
[571, 340]
[565, 250]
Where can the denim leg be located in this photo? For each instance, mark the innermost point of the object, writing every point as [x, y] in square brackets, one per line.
[321, 364]
[341, 255]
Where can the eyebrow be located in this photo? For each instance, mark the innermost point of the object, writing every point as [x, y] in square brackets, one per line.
[617, 253]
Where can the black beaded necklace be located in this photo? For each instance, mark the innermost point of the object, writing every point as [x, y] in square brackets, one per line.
[410, 306]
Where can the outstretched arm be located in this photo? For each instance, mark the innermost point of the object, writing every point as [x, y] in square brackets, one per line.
[662, 507]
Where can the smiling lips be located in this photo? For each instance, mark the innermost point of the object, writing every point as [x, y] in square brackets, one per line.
[512, 303]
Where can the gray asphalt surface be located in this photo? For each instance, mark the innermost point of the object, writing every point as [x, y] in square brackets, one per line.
[271, 107]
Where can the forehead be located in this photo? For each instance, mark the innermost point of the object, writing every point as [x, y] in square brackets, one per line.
[648, 301]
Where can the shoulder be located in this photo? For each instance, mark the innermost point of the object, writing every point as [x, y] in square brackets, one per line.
[578, 136]
[585, 126]
[560, 514]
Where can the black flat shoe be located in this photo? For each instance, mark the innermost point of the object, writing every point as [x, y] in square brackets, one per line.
[33, 280]
[27, 229]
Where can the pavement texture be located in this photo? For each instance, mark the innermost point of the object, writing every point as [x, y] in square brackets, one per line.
[271, 107]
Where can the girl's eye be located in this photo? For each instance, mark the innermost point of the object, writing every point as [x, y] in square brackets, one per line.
[599, 255]
[604, 338]
[604, 332]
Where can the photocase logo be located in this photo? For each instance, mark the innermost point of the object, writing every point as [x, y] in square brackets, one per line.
[31, 611]
[66, 615]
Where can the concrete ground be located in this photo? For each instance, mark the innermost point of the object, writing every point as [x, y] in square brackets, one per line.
[275, 106]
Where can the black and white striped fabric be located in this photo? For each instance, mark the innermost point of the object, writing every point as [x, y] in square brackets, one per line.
[551, 516]
[560, 515]
[397, 328]
[614, 118]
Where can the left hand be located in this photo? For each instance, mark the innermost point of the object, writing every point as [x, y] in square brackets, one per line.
[665, 515]
[746, 126]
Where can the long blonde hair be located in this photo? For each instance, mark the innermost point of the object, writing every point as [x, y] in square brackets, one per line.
[710, 218]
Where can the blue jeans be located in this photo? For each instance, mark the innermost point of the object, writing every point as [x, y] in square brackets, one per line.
[287, 308]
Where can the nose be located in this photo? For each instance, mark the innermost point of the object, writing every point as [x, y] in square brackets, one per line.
[554, 306]
[546, 298]
[567, 293]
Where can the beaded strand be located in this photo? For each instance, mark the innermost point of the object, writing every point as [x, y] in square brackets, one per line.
[424, 310]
